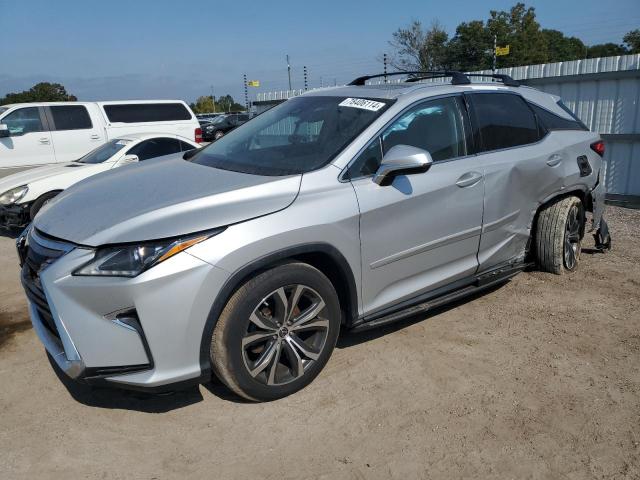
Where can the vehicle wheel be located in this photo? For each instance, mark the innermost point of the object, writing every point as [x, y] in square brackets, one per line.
[559, 235]
[218, 135]
[41, 202]
[276, 332]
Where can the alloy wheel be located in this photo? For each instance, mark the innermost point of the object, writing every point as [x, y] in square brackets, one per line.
[286, 334]
[572, 238]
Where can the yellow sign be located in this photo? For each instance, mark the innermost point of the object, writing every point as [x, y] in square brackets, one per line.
[502, 51]
[253, 83]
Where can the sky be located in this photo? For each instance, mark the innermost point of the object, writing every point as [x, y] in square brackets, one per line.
[116, 49]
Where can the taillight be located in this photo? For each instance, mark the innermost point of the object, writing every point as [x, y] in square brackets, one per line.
[199, 136]
[598, 147]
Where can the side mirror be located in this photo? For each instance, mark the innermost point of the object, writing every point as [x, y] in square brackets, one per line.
[4, 130]
[402, 160]
[189, 154]
[127, 159]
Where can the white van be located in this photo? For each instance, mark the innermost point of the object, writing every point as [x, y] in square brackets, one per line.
[33, 134]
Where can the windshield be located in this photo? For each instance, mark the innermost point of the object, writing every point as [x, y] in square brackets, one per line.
[218, 119]
[297, 136]
[104, 152]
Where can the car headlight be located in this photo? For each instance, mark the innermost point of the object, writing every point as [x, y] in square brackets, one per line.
[132, 260]
[14, 195]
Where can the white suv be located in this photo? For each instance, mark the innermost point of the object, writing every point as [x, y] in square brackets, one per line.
[33, 134]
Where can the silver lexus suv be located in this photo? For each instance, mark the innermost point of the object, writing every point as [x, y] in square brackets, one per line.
[345, 208]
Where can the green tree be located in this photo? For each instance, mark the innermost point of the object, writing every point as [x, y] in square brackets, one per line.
[226, 103]
[471, 47]
[204, 104]
[209, 104]
[41, 92]
[606, 50]
[632, 39]
[420, 49]
[519, 29]
[561, 48]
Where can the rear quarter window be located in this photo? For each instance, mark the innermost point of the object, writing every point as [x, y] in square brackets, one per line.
[70, 117]
[146, 112]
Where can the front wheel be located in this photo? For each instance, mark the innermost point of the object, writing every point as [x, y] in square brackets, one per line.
[559, 235]
[41, 202]
[218, 135]
[276, 332]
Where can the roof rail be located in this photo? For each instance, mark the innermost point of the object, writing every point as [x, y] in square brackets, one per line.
[506, 79]
[457, 78]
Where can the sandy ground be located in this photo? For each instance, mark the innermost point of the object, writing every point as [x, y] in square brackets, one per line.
[539, 378]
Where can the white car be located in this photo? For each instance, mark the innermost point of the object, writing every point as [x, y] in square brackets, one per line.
[35, 134]
[23, 194]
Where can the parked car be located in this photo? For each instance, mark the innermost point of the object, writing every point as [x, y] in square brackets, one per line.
[223, 124]
[33, 134]
[207, 128]
[346, 208]
[23, 194]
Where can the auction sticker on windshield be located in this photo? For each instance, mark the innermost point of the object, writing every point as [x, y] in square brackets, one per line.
[362, 103]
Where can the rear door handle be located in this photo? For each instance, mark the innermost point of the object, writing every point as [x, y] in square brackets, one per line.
[554, 160]
[469, 179]
[95, 137]
[44, 141]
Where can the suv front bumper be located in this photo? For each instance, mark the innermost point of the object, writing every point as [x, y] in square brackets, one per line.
[15, 216]
[141, 333]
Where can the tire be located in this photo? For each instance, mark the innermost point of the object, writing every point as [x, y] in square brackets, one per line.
[559, 233]
[260, 356]
[40, 202]
[218, 135]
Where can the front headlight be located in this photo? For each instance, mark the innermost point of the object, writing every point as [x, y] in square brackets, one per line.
[14, 195]
[132, 260]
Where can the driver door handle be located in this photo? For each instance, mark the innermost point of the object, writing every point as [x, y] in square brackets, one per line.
[44, 141]
[469, 179]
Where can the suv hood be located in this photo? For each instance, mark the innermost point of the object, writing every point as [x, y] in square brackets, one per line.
[155, 200]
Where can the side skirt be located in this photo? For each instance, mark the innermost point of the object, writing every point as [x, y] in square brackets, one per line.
[441, 296]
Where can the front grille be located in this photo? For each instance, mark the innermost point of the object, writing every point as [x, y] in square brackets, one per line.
[38, 254]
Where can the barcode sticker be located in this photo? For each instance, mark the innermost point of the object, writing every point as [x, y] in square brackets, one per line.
[362, 103]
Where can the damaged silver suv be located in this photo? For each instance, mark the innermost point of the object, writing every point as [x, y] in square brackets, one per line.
[345, 208]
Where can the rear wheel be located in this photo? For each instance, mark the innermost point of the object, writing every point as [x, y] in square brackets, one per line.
[559, 234]
[276, 333]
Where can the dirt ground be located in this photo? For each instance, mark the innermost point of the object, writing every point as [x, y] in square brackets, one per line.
[539, 378]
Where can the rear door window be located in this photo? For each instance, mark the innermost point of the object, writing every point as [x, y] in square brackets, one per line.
[146, 112]
[155, 147]
[503, 121]
[70, 117]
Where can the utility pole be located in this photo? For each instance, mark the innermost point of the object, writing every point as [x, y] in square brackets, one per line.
[306, 83]
[289, 72]
[495, 45]
[213, 99]
[384, 59]
[321, 84]
[246, 94]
